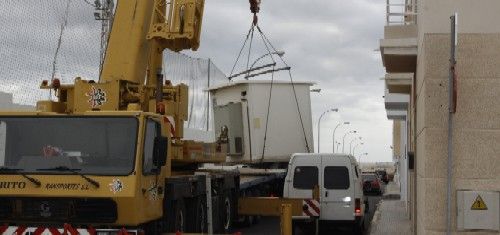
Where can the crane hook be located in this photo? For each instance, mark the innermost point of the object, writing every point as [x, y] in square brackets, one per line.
[255, 8]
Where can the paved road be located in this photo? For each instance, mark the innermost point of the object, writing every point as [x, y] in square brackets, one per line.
[271, 225]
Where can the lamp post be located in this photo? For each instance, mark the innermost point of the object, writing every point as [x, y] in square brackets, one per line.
[343, 139]
[359, 157]
[350, 144]
[319, 123]
[354, 148]
[345, 123]
[338, 145]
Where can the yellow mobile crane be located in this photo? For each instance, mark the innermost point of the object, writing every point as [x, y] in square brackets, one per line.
[109, 156]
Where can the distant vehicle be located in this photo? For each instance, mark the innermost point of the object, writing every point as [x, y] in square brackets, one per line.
[383, 176]
[371, 183]
[339, 179]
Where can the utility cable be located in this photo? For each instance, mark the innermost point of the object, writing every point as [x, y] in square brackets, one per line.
[270, 97]
[250, 49]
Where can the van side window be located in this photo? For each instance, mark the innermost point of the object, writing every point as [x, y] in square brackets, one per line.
[305, 177]
[336, 177]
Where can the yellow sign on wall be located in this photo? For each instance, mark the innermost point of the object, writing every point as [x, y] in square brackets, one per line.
[479, 204]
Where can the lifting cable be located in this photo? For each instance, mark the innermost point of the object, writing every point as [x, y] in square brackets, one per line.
[255, 7]
[293, 87]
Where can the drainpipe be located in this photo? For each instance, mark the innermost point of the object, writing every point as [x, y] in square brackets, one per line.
[451, 111]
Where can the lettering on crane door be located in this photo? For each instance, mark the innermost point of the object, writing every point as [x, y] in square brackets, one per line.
[479, 204]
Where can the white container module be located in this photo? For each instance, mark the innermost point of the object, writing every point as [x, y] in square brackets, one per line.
[242, 106]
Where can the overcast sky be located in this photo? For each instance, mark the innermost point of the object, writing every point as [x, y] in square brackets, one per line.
[329, 42]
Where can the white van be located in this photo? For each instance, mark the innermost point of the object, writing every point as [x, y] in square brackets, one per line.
[340, 186]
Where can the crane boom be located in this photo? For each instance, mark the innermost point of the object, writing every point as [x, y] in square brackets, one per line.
[141, 30]
[127, 51]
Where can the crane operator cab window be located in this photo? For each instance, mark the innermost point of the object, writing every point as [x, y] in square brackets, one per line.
[152, 132]
[64, 145]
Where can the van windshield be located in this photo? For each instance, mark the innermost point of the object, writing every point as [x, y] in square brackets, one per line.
[89, 145]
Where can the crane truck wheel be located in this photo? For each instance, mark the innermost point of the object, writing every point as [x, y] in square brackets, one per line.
[177, 217]
[227, 212]
[153, 228]
[196, 214]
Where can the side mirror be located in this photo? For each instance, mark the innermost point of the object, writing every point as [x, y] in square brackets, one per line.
[160, 149]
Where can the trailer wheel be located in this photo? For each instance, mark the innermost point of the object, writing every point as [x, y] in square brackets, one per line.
[177, 219]
[196, 214]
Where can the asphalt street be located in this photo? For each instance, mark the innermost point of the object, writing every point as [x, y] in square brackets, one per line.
[271, 225]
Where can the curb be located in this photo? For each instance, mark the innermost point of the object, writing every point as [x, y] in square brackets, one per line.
[391, 196]
[375, 219]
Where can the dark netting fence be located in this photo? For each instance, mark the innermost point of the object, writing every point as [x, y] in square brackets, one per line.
[45, 39]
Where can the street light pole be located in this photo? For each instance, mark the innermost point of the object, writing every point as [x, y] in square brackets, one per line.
[345, 123]
[359, 157]
[350, 144]
[319, 123]
[343, 139]
[354, 149]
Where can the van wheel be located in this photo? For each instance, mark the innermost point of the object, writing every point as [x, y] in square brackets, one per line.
[359, 229]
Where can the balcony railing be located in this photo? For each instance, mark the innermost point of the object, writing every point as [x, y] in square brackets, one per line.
[401, 12]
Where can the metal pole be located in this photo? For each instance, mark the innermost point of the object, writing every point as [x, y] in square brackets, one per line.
[334, 143]
[319, 129]
[334, 136]
[208, 192]
[286, 219]
[343, 140]
[350, 144]
[354, 149]
[453, 44]
[319, 123]
[208, 95]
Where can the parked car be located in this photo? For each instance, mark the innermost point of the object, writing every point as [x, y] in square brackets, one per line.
[371, 183]
[338, 176]
[383, 176]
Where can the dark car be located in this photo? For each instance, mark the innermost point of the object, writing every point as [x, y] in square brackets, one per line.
[383, 175]
[371, 183]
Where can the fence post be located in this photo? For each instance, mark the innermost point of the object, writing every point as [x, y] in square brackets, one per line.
[286, 219]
